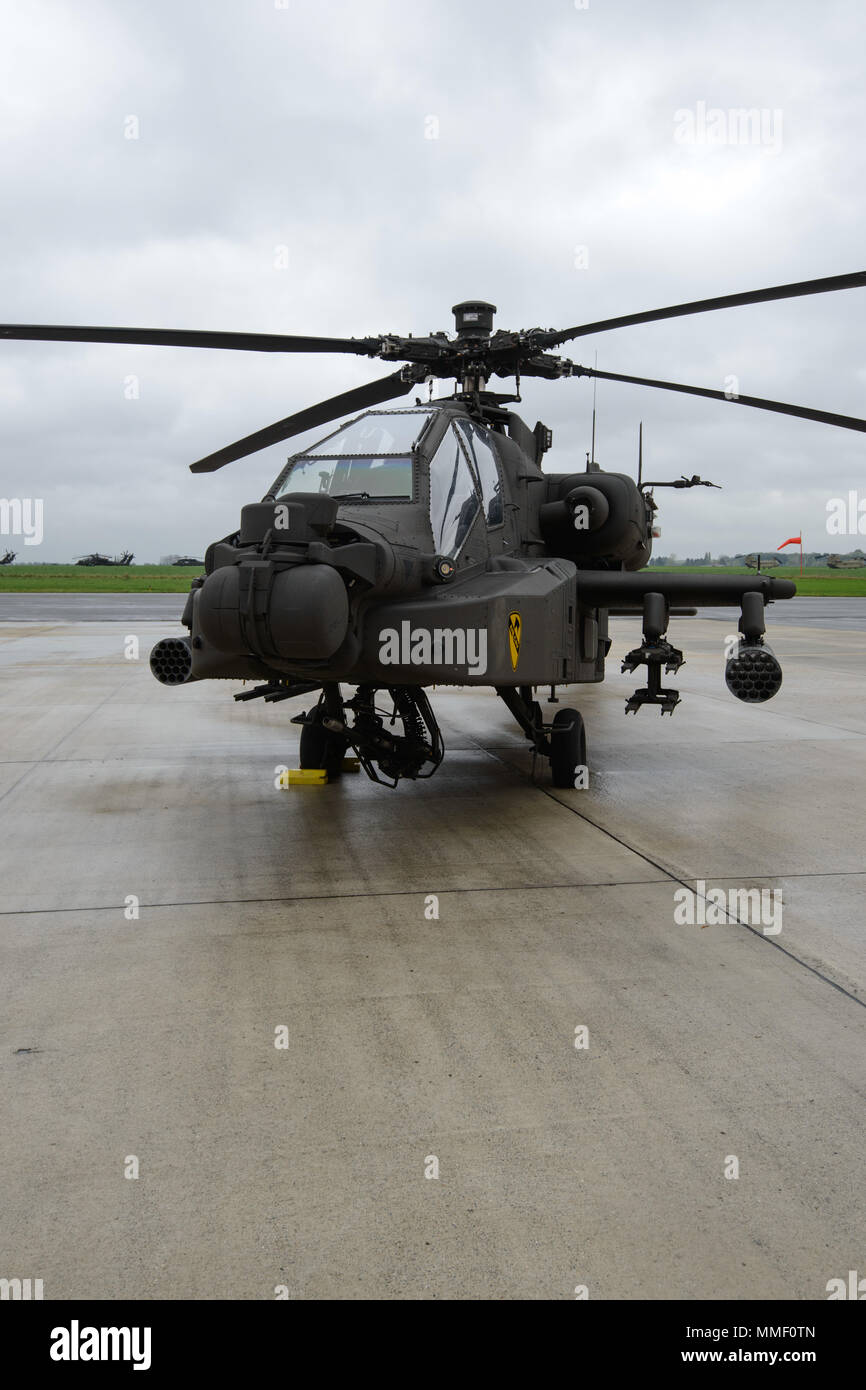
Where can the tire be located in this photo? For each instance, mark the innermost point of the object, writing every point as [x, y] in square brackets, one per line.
[567, 747]
[320, 747]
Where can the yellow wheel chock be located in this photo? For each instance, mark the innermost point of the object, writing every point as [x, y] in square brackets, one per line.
[304, 777]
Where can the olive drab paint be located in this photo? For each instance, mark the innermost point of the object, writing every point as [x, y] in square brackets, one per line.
[437, 518]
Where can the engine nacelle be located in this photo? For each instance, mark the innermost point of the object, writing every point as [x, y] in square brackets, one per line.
[596, 516]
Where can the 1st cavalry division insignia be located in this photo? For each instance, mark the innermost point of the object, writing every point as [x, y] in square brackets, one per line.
[514, 628]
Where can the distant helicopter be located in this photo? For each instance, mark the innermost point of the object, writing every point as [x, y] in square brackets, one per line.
[763, 562]
[8, 557]
[424, 546]
[96, 559]
[846, 562]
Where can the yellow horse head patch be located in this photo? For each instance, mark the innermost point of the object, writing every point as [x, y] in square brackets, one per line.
[514, 628]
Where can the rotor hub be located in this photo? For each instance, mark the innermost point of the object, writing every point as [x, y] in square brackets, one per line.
[473, 319]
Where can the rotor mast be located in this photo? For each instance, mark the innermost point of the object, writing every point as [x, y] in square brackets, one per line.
[473, 320]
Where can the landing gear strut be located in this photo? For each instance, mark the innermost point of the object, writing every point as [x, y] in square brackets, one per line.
[385, 754]
[563, 742]
[320, 746]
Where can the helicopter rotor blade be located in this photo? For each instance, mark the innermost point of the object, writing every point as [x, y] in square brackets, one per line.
[182, 337]
[802, 412]
[373, 393]
[701, 306]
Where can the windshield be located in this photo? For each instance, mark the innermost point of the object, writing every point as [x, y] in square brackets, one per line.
[368, 457]
[353, 477]
[485, 467]
[454, 502]
[386, 432]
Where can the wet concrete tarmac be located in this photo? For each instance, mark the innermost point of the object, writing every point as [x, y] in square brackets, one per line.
[98, 608]
[170, 920]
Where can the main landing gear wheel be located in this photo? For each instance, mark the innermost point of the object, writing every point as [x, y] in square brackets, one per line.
[567, 747]
[321, 747]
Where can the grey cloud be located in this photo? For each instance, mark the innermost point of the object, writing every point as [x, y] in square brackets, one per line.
[305, 128]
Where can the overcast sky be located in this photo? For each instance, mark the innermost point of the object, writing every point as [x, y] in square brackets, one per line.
[284, 180]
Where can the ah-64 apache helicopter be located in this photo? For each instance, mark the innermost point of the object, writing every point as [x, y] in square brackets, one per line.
[425, 545]
[97, 559]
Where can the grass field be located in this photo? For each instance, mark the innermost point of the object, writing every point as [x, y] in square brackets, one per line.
[97, 579]
[818, 581]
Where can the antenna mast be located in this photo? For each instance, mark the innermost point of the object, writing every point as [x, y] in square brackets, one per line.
[592, 466]
[640, 454]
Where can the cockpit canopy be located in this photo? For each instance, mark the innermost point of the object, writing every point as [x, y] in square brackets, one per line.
[373, 458]
[370, 457]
